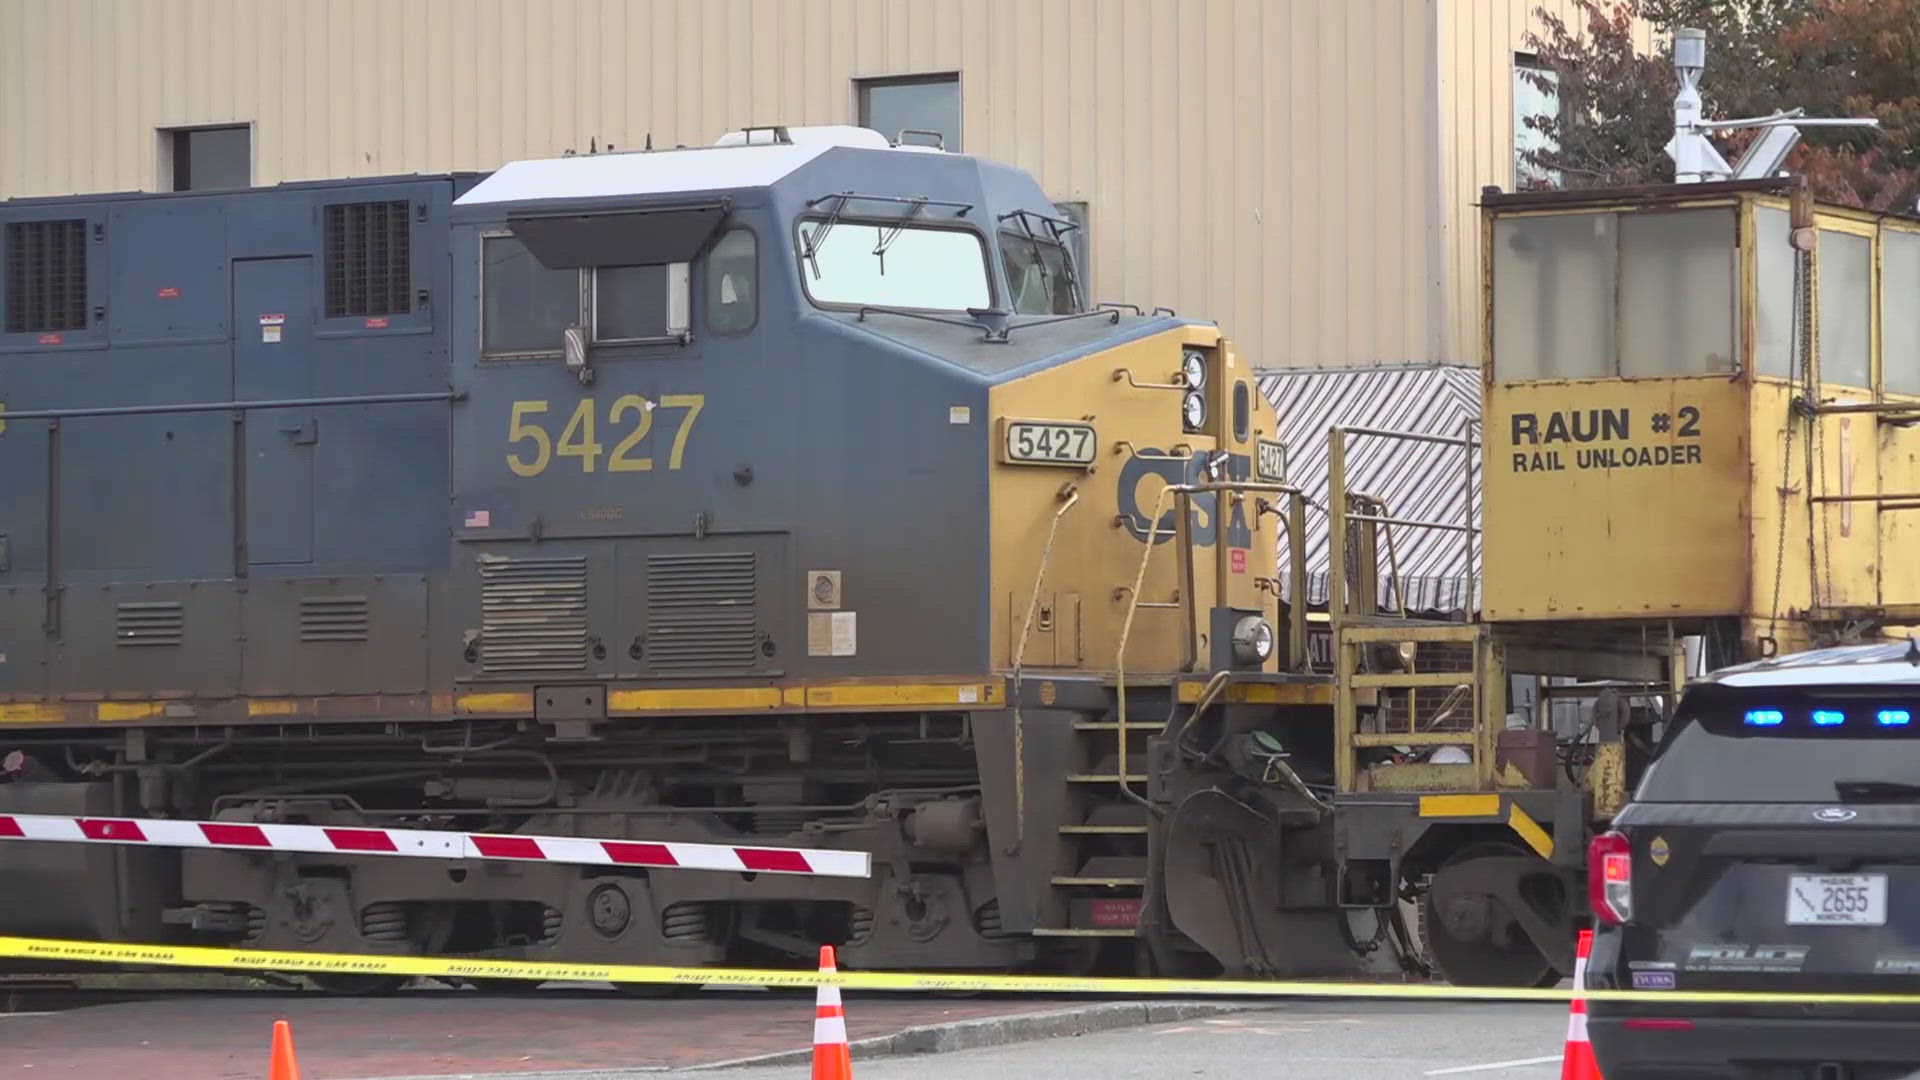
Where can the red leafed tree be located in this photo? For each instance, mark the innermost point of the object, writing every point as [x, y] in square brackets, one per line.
[1830, 57]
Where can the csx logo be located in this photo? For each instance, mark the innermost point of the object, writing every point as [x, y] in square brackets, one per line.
[1137, 498]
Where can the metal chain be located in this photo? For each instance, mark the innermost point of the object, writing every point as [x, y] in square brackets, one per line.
[1820, 543]
[1786, 457]
[1816, 485]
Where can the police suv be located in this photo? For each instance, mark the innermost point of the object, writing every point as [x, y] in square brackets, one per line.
[1773, 845]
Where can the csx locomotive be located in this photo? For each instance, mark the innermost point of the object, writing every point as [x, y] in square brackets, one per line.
[787, 489]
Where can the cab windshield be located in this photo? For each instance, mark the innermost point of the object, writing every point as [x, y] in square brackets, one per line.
[906, 266]
[1038, 275]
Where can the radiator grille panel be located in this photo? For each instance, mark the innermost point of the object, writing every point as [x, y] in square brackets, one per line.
[368, 256]
[533, 614]
[333, 618]
[149, 623]
[45, 278]
[701, 612]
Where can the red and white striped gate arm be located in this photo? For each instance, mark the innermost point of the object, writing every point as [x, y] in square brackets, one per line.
[432, 844]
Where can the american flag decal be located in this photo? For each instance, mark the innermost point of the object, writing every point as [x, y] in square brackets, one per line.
[479, 519]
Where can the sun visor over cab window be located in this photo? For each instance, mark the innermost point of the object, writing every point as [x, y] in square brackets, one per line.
[635, 237]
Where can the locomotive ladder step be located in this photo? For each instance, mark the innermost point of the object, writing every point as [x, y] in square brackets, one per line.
[1144, 727]
[1103, 830]
[1105, 778]
[1103, 882]
[1082, 931]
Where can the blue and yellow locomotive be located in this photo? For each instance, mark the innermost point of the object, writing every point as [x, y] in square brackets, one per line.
[788, 489]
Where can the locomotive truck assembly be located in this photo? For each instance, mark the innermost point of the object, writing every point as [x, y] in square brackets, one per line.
[791, 492]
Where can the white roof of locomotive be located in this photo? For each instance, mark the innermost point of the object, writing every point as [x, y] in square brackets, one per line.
[730, 163]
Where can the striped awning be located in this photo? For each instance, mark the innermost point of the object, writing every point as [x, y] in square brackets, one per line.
[1417, 480]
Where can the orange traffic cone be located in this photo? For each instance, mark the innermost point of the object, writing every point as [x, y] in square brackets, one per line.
[282, 1067]
[1578, 1062]
[832, 1060]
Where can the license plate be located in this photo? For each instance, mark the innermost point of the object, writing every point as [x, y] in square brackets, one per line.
[1848, 900]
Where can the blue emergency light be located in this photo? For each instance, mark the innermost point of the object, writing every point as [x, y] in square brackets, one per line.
[1894, 717]
[1765, 717]
[1828, 718]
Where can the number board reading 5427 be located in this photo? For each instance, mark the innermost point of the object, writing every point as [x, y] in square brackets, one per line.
[1048, 442]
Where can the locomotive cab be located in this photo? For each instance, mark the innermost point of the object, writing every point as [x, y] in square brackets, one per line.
[788, 407]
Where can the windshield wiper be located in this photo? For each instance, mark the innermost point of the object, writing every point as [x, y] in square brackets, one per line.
[1860, 791]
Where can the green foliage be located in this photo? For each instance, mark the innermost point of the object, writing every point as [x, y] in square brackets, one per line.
[1831, 57]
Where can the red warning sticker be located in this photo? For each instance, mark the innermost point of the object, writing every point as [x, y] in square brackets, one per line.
[379, 322]
[50, 339]
[1108, 913]
[1237, 558]
[168, 293]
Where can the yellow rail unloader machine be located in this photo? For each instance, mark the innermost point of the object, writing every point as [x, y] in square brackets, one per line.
[1697, 445]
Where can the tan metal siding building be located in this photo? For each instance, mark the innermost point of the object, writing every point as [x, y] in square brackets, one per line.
[1300, 170]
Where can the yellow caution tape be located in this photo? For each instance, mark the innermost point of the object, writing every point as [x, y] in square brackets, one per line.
[184, 956]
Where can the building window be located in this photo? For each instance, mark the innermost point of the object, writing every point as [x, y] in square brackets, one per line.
[1535, 98]
[915, 103]
[207, 159]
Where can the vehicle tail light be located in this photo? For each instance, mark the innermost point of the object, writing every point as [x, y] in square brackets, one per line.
[1610, 878]
[1657, 1023]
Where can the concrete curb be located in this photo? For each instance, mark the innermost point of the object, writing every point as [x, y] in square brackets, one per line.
[975, 1034]
[1001, 1030]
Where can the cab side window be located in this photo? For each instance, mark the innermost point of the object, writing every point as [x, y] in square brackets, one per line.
[732, 284]
[525, 307]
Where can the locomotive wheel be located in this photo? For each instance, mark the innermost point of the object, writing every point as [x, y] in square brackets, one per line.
[501, 987]
[1468, 927]
[650, 990]
[342, 985]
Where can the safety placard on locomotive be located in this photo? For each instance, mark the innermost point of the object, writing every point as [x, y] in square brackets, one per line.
[1602, 439]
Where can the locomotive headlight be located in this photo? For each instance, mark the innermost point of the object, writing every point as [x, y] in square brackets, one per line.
[1193, 410]
[1193, 369]
[1252, 640]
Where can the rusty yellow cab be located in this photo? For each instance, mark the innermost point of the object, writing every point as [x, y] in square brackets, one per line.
[1695, 449]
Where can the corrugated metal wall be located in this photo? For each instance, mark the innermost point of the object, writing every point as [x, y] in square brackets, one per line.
[1284, 166]
[1418, 481]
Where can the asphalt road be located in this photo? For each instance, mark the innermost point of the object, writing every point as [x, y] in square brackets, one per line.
[588, 1036]
[1304, 1041]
